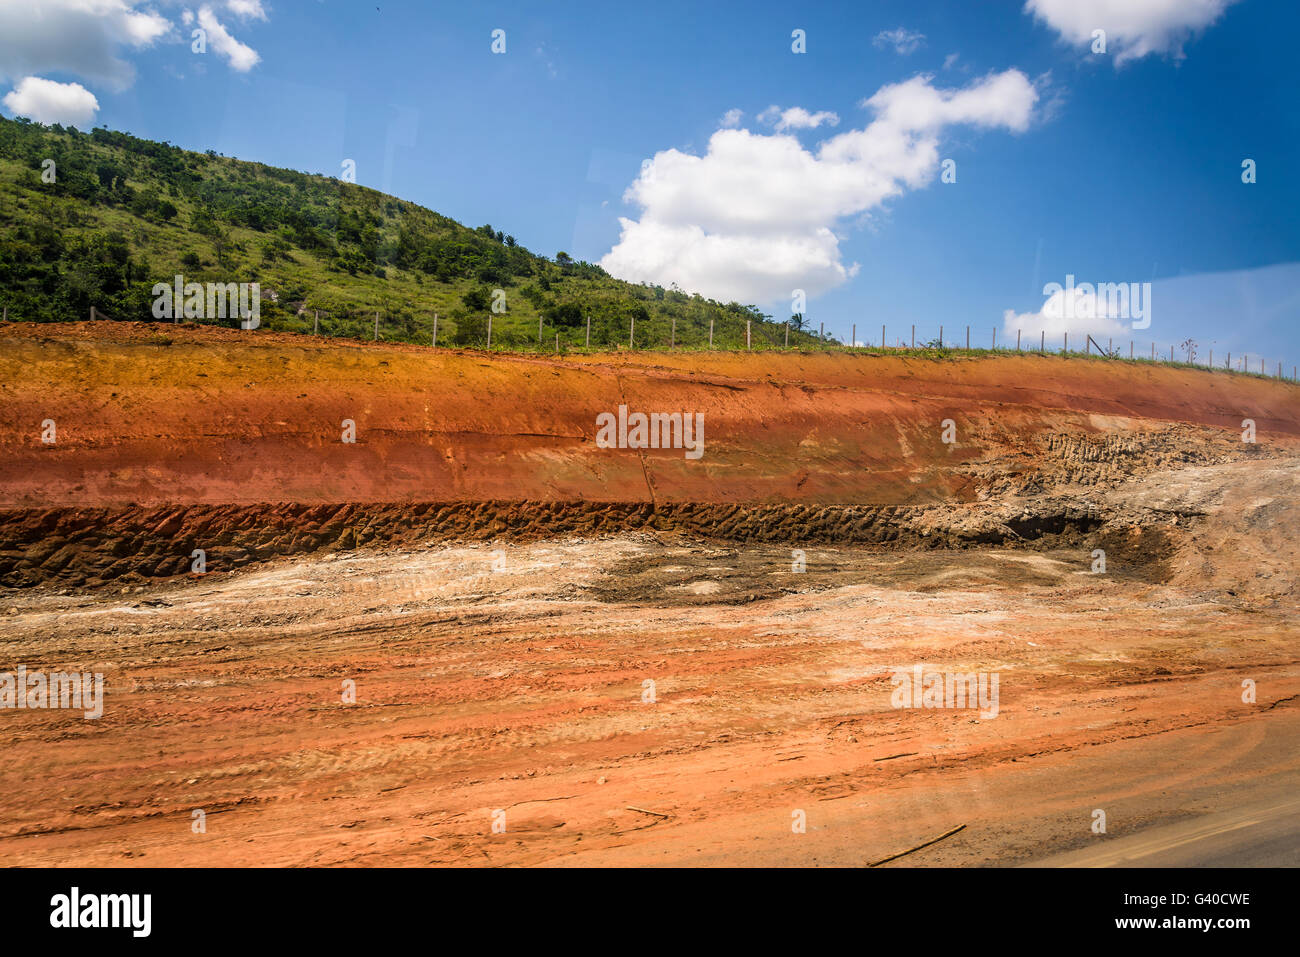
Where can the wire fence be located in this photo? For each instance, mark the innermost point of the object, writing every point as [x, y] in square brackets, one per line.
[770, 337]
[728, 336]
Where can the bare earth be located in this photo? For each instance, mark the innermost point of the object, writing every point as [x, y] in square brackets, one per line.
[504, 671]
[522, 690]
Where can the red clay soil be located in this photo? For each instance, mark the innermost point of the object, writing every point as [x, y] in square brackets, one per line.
[154, 414]
[520, 589]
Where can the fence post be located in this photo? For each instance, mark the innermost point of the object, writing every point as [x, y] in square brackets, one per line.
[539, 333]
[853, 336]
[1130, 348]
[968, 338]
[489, 342]
[1153, 352]
[787, 333]
[710, 332]
[747, 345]
[913, 335]
[821, 332]
[995, 338]
[435, 329]
[672, 341]
[1087, 345]
[92, 313]
[1227, 363]
[315, 330]
[882, 337]
[1017, 340]
[1211, 362]
[376, 327]
[1042, 343]
[1065, 350]
[631, 334]
[941, 337]
[557, 340]
[1171, 353]
[6, 318]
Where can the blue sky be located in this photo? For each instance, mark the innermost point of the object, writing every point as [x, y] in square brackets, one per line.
[1113, 168]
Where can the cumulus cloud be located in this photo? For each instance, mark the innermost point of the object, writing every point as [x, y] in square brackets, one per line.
[81, 37]
[247, 9]
[797, 118]
[903, 41]
[1084, 309]
[240, 56]
[46, 101]
[1134, 28]
[731, 119]
[755, 216]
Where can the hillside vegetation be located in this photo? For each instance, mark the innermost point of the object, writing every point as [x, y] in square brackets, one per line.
[96, 219]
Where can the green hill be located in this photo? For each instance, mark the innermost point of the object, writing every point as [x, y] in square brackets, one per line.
[122, 214]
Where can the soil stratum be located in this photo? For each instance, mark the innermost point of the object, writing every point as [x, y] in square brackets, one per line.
[563, 653]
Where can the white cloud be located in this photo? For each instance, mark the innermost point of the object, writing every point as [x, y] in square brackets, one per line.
[240, 56]
[247, 9]
[1134, 28]
[903, 41]
[797, 118]
[1079, 311]
[81, 37]
[755, 217]
[46, 101]
[731, 119]
[950, 60]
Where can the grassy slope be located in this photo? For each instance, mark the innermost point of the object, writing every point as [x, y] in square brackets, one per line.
[104, 232]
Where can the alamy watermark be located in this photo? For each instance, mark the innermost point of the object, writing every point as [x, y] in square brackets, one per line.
[656, 430]
[36, 690]
[213, 300]
[129, 911]
[919, 688]
[1105, 300]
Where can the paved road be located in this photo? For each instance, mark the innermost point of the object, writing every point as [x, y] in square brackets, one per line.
[1260, 835]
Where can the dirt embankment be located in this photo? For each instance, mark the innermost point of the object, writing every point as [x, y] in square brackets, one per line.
[166, 439]
[159, 414]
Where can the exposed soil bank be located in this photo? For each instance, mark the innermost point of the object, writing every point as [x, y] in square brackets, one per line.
[499, 594]
[155, 414]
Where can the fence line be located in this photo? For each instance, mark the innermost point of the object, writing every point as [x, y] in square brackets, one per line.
[820, 341]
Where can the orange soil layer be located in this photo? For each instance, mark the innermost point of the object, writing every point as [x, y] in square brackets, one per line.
[156, 414]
